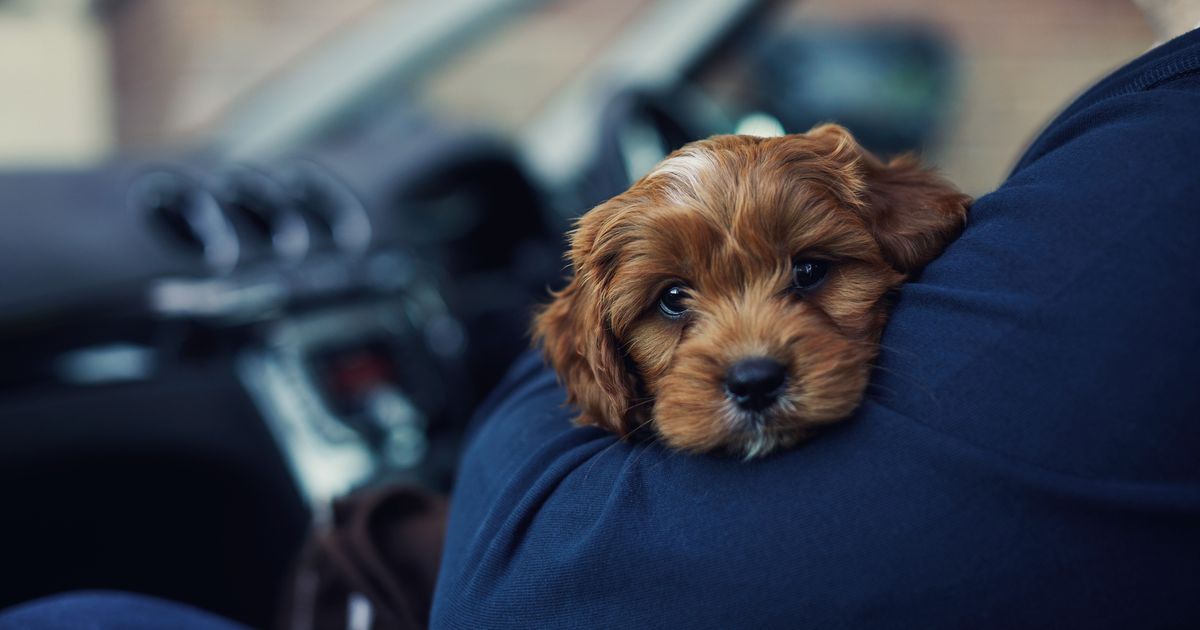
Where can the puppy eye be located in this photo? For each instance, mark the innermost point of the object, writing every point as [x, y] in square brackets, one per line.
[807, 274]
[671, 302]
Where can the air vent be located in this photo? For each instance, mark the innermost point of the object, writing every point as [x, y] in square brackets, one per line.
[187, 215]
[329, 204]
[259, 204]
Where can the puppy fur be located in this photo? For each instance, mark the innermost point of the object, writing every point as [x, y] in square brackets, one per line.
[727, 218]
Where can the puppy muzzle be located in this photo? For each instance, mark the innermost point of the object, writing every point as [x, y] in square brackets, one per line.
[755, 384]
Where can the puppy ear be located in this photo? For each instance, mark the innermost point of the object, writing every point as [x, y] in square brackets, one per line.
[576, 337]
[912, 212]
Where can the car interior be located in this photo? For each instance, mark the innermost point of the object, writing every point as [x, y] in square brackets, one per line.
[205, 343]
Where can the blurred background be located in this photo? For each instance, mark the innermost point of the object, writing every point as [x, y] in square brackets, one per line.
[255, 254]
[87, 78]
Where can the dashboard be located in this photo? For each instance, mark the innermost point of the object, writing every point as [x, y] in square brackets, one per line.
[204, 352]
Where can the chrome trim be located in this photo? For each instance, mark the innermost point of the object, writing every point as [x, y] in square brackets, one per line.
[326, 458]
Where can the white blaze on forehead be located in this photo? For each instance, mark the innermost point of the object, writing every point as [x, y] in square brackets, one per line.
[687, 170]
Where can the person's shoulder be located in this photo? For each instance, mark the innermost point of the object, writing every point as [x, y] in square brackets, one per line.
[1150, 105]
[1142, 127]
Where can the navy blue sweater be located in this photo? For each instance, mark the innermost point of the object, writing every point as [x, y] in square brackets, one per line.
[1029, 455]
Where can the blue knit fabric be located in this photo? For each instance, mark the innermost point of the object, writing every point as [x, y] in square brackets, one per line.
[1028, 456]
[109, 610]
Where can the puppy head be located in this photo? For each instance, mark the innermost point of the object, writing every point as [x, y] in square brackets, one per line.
[733, 298]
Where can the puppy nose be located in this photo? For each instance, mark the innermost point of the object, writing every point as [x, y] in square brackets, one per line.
[754, 384]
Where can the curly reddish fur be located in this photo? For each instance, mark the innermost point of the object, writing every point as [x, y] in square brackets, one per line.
[727, 216]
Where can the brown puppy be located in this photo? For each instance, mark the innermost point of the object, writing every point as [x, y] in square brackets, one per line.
[734, 297]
